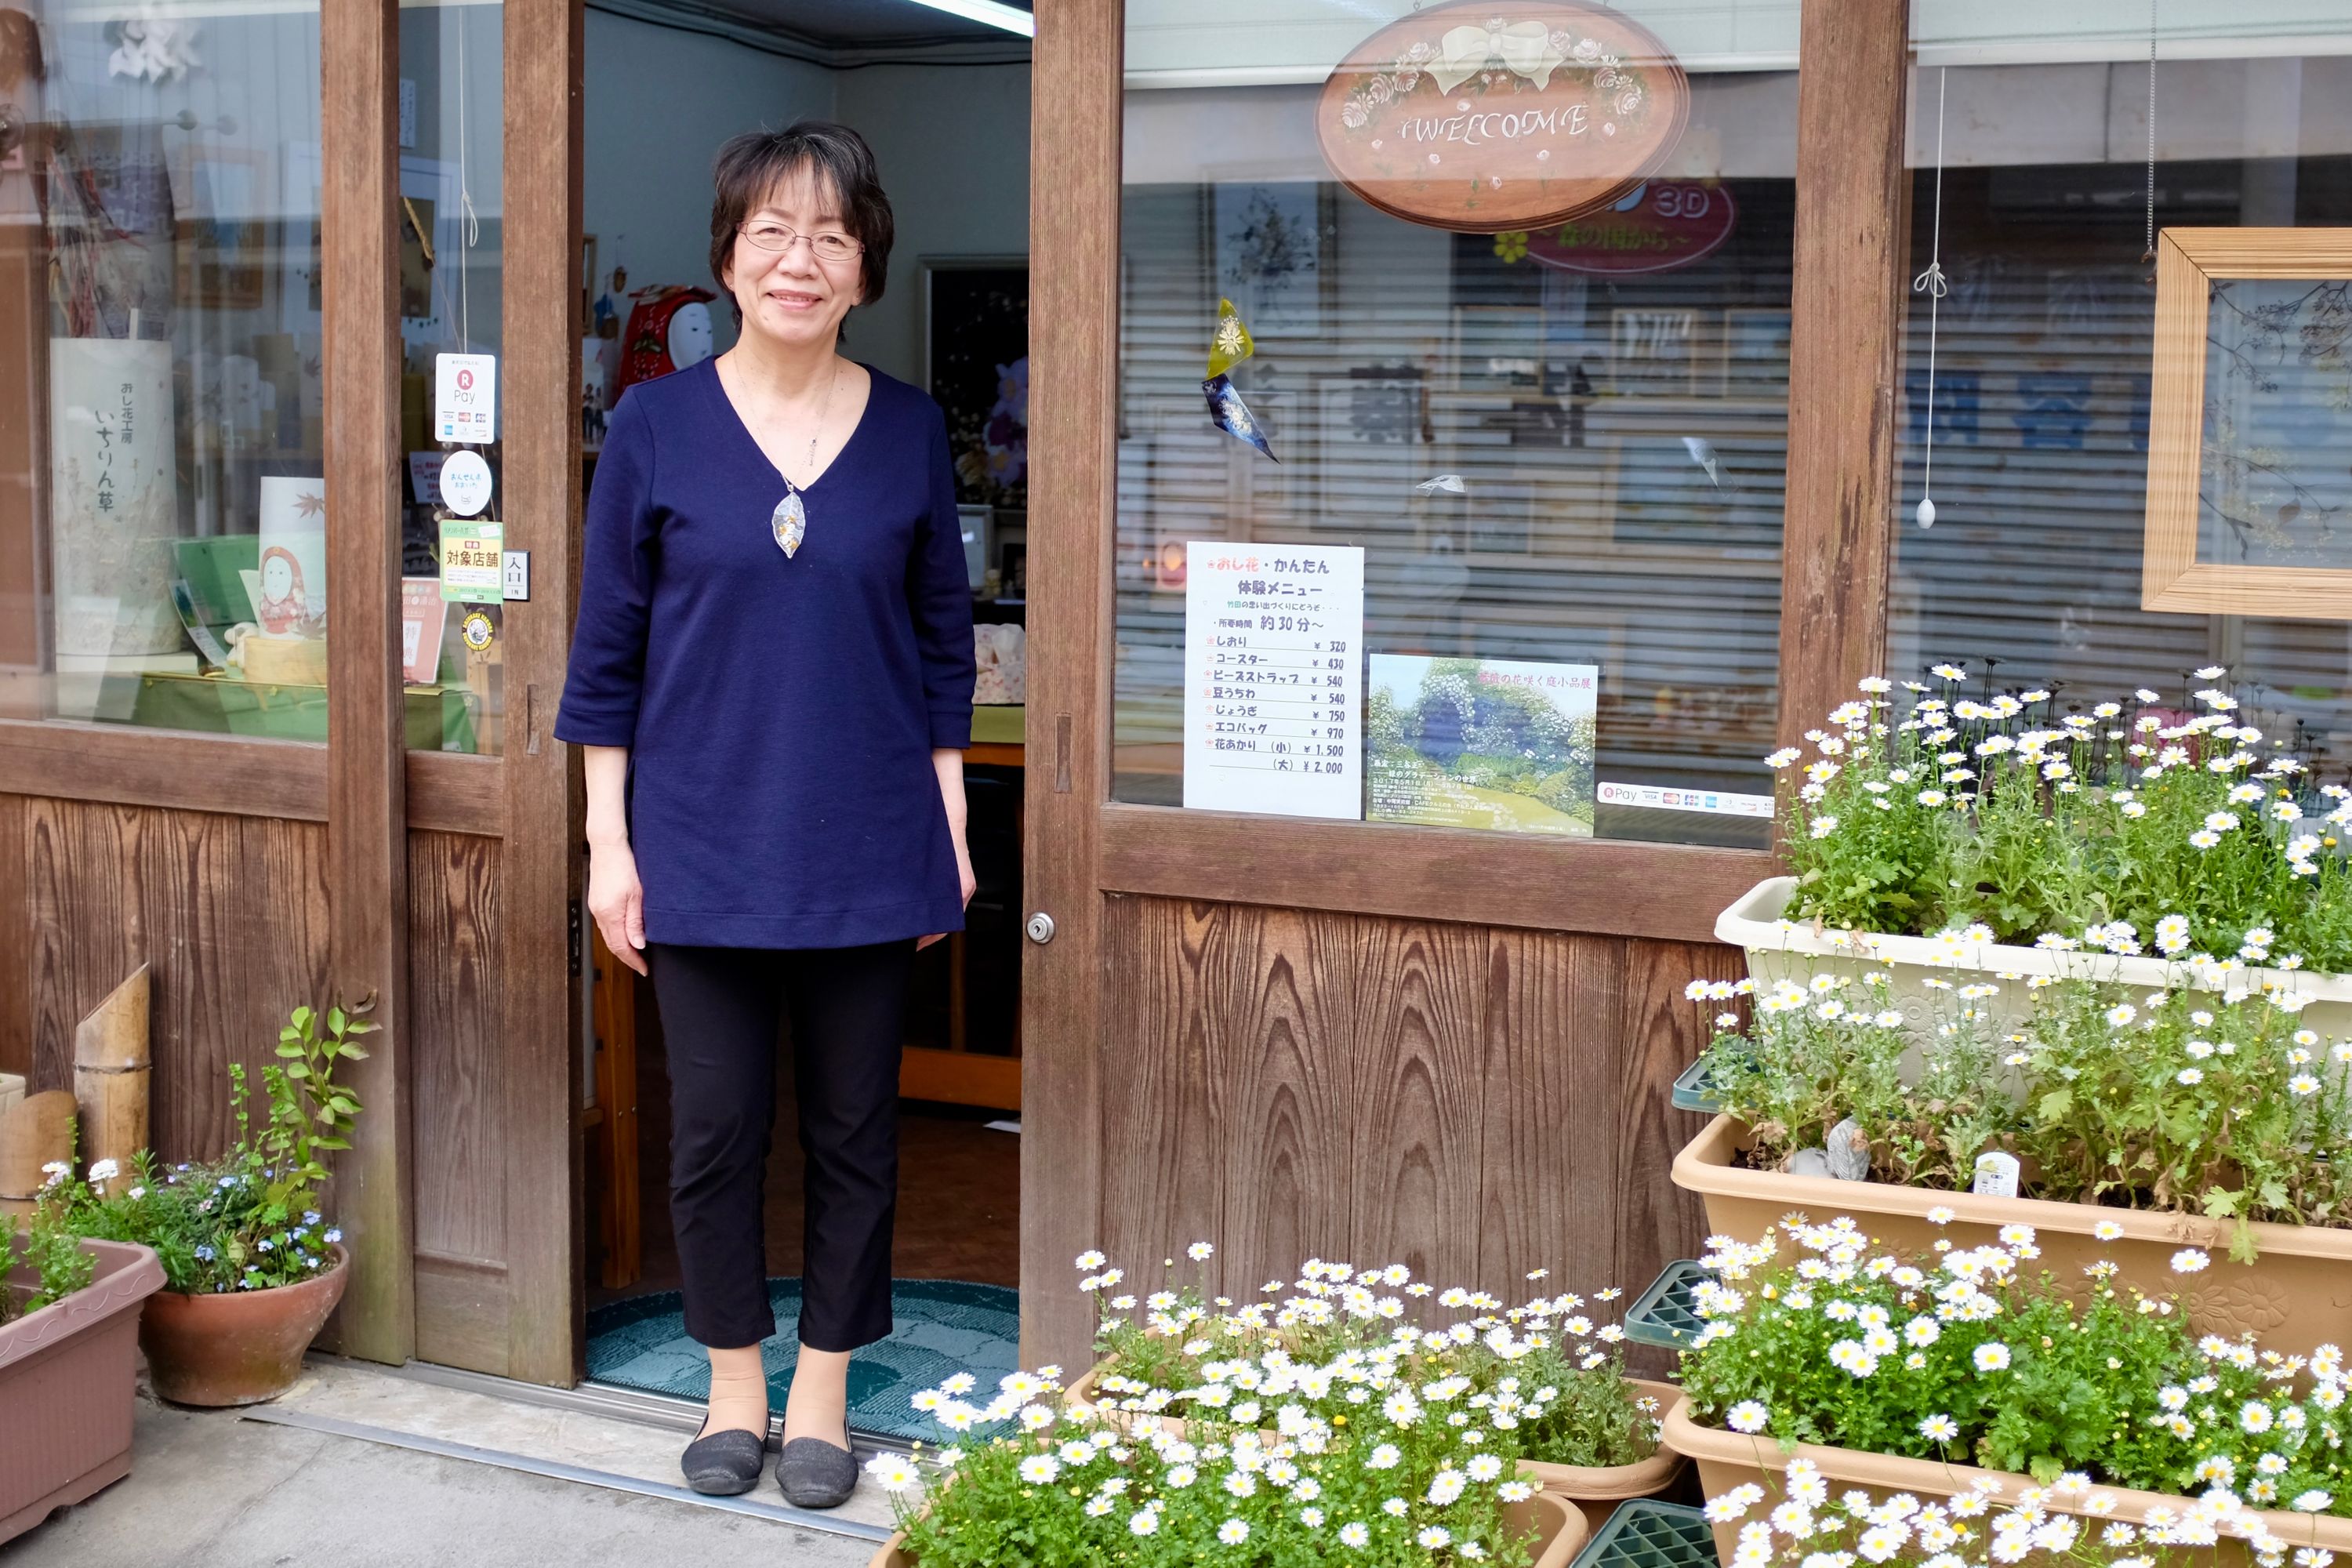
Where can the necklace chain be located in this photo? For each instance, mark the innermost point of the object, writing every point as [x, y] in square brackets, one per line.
[823, 411]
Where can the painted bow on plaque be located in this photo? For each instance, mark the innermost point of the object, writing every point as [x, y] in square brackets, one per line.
[1525, 46]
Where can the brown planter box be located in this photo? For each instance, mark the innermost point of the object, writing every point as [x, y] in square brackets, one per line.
[1727, 1459]
[238, 1347]
[2291, 1295]
[67, 1376]
[1597, 1489]
[1560, 1534]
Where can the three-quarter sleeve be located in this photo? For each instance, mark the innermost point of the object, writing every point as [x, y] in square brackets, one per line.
[938, 593]
[605, 680]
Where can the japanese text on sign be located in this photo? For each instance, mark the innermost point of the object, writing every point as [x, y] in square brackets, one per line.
[471, 566]
[465, 398]
[1274, 678]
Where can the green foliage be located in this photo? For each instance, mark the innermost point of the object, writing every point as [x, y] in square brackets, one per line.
[2183, 1099]
[51, 1250]
[1964, 1355]
[250, 1220]
[1935, 811]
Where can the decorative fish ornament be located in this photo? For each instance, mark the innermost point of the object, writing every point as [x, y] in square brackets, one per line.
[1231, 342]
[1228, 413]
[789, 523]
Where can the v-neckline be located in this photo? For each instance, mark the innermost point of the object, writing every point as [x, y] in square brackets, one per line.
[735, 416]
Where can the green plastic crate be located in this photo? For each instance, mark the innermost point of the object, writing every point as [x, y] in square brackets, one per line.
[1662, 1314]
[1694, 1091]
[1646, 1533]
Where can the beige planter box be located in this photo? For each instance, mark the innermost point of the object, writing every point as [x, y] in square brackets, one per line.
[1797, 951]
[1560, 1534]
[1727, 1459]
[2295, 1294]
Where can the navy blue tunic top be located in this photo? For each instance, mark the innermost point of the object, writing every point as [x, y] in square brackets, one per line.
[779, 713]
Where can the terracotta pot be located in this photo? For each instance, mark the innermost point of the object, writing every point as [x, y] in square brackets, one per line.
[237, 1347]
[1727, 1459]
[2291, 1295]
[1597, 1489]
[1561, 1533]
[68, 1379]
[1797, 952]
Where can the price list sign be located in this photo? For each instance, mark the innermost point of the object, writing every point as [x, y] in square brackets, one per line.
[1274, 678]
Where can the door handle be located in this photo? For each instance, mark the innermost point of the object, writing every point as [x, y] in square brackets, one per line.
[1040, 928]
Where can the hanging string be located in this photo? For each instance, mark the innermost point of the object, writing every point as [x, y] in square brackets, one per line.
[1933, 283]
[470, 229]
[2150, 254]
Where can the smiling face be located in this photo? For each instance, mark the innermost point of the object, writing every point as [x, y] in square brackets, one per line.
[789, 296]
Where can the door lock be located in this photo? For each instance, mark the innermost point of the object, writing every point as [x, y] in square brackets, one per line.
[1040, 928]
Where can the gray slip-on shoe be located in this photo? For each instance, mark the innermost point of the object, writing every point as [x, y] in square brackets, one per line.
[724, 1463]
[812, 1473]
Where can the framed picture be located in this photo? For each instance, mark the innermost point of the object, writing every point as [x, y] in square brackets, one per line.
[2249, 501]
[1269, 242]
[976, 364]
[1654, 352]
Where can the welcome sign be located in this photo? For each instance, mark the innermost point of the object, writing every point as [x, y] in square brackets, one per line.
[1470, 117]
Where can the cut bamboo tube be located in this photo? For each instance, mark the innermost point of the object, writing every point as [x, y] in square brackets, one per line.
[37, 1131]
[12, 1089]
[112, 1068]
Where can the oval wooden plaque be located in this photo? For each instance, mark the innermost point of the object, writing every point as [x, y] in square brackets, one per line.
[1483, 117]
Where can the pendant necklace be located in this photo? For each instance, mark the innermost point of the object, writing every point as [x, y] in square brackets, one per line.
[789, 523]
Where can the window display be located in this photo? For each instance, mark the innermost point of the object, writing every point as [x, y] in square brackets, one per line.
[1557, 444]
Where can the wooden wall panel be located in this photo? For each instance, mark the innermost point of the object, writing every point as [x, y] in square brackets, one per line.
[230, 913]
[1474, 1101]
[453, 991]
[16, 942]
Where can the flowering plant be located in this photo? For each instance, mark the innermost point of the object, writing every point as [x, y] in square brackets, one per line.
[2119, 826]
[1074, 1484]
[250, 1220]
[1960, 1354]
[2225, 1105]
[1810, 1528]
[1542, 1382]
[51, 1250]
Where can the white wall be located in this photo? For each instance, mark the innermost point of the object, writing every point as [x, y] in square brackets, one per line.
[659, 103]
[952, 142]
[953, 146]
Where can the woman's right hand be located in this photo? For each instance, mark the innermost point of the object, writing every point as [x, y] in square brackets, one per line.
[616, 901]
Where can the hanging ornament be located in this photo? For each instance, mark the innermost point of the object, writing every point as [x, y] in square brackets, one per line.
[1228, 413]
[1933, 284]
[2147, 258]
[1231, 342]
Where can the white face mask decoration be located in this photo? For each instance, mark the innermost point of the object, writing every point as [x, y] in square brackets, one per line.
[689, 334]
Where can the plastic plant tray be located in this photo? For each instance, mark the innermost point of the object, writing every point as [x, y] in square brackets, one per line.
[1662, 1314]
[1646, 1533]
[1694, 1090]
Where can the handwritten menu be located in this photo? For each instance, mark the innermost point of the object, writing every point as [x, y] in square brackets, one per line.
[1274, 678]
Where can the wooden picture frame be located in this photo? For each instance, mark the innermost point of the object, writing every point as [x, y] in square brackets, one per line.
[2190, 263]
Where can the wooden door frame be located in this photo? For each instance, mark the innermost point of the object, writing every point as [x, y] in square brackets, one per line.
[1847, 307]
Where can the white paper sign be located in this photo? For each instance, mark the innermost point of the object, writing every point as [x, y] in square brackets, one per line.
[465, 398]
[466, 483]
[1274, 678]
[1996, 1175]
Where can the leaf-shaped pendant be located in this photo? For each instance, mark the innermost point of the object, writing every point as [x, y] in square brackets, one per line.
[789, 524]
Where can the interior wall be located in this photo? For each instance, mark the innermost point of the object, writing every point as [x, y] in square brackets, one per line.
[952, 142]
[953, 146]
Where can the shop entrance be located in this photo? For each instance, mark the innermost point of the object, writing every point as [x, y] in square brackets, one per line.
[664, 86]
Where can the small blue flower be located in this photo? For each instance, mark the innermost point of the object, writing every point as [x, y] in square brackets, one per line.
[310, 1263]
[204, 1255]
[227, 1181]
[311, 1216]
[334, 1235]
[265, 1244]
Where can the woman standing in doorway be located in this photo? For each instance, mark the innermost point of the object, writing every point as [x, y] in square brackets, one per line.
[771, 679]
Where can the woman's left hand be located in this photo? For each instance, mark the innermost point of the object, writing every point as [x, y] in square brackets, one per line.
[949, 766]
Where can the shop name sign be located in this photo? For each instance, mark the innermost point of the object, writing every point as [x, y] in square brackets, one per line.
[1467, 117]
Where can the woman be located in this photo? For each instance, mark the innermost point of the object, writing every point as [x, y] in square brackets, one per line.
[771, 679]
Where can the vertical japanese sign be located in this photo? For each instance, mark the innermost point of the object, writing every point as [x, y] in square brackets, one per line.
[1274, 678]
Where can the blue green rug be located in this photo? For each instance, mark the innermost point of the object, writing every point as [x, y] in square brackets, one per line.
[940, 1326]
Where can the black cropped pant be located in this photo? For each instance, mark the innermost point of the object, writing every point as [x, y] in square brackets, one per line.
[719, 1009]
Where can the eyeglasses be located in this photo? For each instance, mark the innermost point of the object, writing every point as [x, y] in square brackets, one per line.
[824, 246]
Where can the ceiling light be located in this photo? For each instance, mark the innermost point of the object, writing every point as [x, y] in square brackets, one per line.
[1012, 18]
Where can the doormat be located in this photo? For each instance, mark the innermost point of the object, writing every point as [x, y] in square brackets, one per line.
[940, 1326]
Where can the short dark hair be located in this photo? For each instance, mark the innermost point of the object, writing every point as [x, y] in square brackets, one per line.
[755, 163]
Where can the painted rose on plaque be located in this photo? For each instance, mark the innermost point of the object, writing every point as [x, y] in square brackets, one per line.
[1483, 120]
